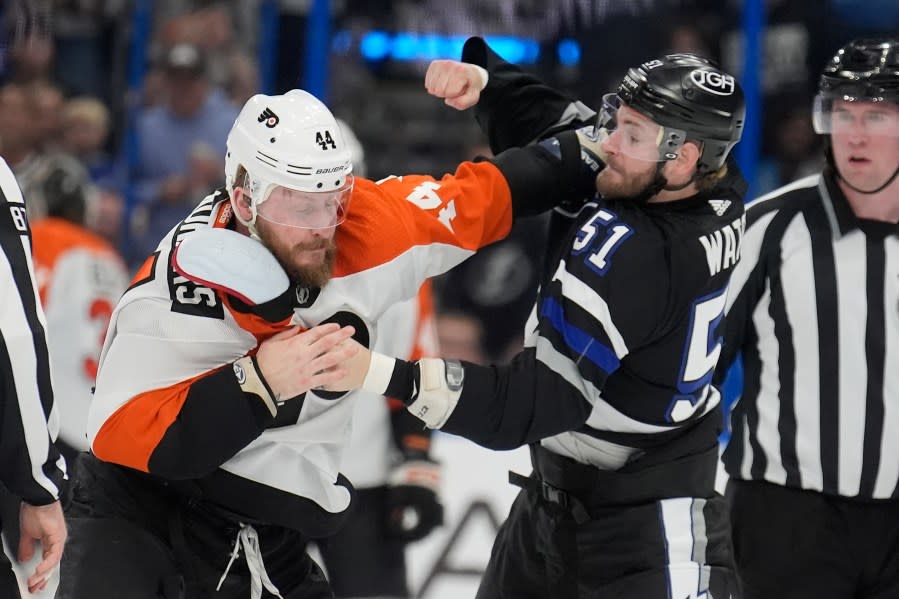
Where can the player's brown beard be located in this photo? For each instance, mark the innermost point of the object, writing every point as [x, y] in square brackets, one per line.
[632, 186]
[308, 276]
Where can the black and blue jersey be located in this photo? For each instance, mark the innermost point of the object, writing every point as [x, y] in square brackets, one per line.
[626, 330]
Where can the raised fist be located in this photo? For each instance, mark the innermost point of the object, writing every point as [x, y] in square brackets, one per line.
[458, 83]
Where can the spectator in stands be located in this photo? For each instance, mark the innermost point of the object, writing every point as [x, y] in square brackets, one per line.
[84, 134]
[45, 108]
[194, 120]
[20, 146]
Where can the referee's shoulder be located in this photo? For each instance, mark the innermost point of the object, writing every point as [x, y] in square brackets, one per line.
[786, 201]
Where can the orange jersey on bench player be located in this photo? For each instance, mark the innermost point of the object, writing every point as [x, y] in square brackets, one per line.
[80, 278]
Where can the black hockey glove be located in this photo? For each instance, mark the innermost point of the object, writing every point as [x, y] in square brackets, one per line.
[592, 161]
[557, 171]
[592, 155]
[413, 508]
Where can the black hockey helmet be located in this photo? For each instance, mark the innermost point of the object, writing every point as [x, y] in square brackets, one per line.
[693, 100]
[866, 69]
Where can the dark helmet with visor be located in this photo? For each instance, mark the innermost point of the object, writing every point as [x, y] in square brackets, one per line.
[690, 99]
[865, 70]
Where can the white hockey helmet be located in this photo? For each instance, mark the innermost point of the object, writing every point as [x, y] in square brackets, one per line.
[299, 167]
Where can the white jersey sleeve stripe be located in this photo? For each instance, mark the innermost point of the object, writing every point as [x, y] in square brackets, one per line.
[580, 293]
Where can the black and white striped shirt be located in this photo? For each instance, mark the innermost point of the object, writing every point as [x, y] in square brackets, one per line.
[814, 309]
[33, 468]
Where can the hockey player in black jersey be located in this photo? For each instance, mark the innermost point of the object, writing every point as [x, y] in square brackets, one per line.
[613, 389]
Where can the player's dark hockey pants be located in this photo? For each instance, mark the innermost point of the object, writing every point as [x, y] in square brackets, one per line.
[133, 538]
[585, 542]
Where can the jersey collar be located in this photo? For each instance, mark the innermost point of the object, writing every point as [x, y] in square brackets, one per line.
[842, 219]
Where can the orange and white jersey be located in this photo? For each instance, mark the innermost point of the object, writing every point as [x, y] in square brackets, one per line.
[407, 330]
[80, 279]
[167, 401]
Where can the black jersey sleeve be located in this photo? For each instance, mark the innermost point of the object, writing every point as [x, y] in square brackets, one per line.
[503, 407]
[30, 465]
[516, 108]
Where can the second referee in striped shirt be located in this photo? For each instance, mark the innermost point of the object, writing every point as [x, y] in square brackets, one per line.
[814, 309]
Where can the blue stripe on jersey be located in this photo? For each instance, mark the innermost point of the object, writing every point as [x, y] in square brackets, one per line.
[580, 342]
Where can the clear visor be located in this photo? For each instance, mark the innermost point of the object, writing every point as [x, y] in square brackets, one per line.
[636, 135]
[843, 117]
[305, 209]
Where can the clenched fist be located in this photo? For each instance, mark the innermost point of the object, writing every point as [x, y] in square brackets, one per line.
[459, 83]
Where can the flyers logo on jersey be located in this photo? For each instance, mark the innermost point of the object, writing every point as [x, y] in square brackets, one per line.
[271, 119]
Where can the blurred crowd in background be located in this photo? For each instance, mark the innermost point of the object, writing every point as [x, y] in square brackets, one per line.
[74, 128]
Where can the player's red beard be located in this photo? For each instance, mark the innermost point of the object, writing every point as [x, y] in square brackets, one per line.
[624, 185]
[316, 275]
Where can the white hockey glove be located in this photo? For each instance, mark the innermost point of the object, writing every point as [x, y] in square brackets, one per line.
[430, 387]
[439, 386]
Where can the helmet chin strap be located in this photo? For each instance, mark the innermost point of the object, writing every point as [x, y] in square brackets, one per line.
[864, 191]
[828, 156]
[681, 186]
[657, 184]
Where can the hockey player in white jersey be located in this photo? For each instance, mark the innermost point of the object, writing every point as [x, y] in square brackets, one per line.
[215, 455]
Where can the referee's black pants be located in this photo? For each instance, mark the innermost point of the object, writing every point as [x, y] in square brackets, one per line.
[807, 545]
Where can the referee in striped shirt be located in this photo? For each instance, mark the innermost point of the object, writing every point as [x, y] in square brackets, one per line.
[30, 465]
[814, 309]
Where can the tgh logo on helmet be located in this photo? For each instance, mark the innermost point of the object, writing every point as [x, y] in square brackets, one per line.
[714, 82]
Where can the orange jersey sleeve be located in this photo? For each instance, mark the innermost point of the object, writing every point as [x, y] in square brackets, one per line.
[466, 210]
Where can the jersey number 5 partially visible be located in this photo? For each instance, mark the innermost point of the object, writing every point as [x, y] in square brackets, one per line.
[701, 354]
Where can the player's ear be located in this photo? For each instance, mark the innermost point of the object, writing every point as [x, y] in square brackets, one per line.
[682, 168]
[241, 203]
